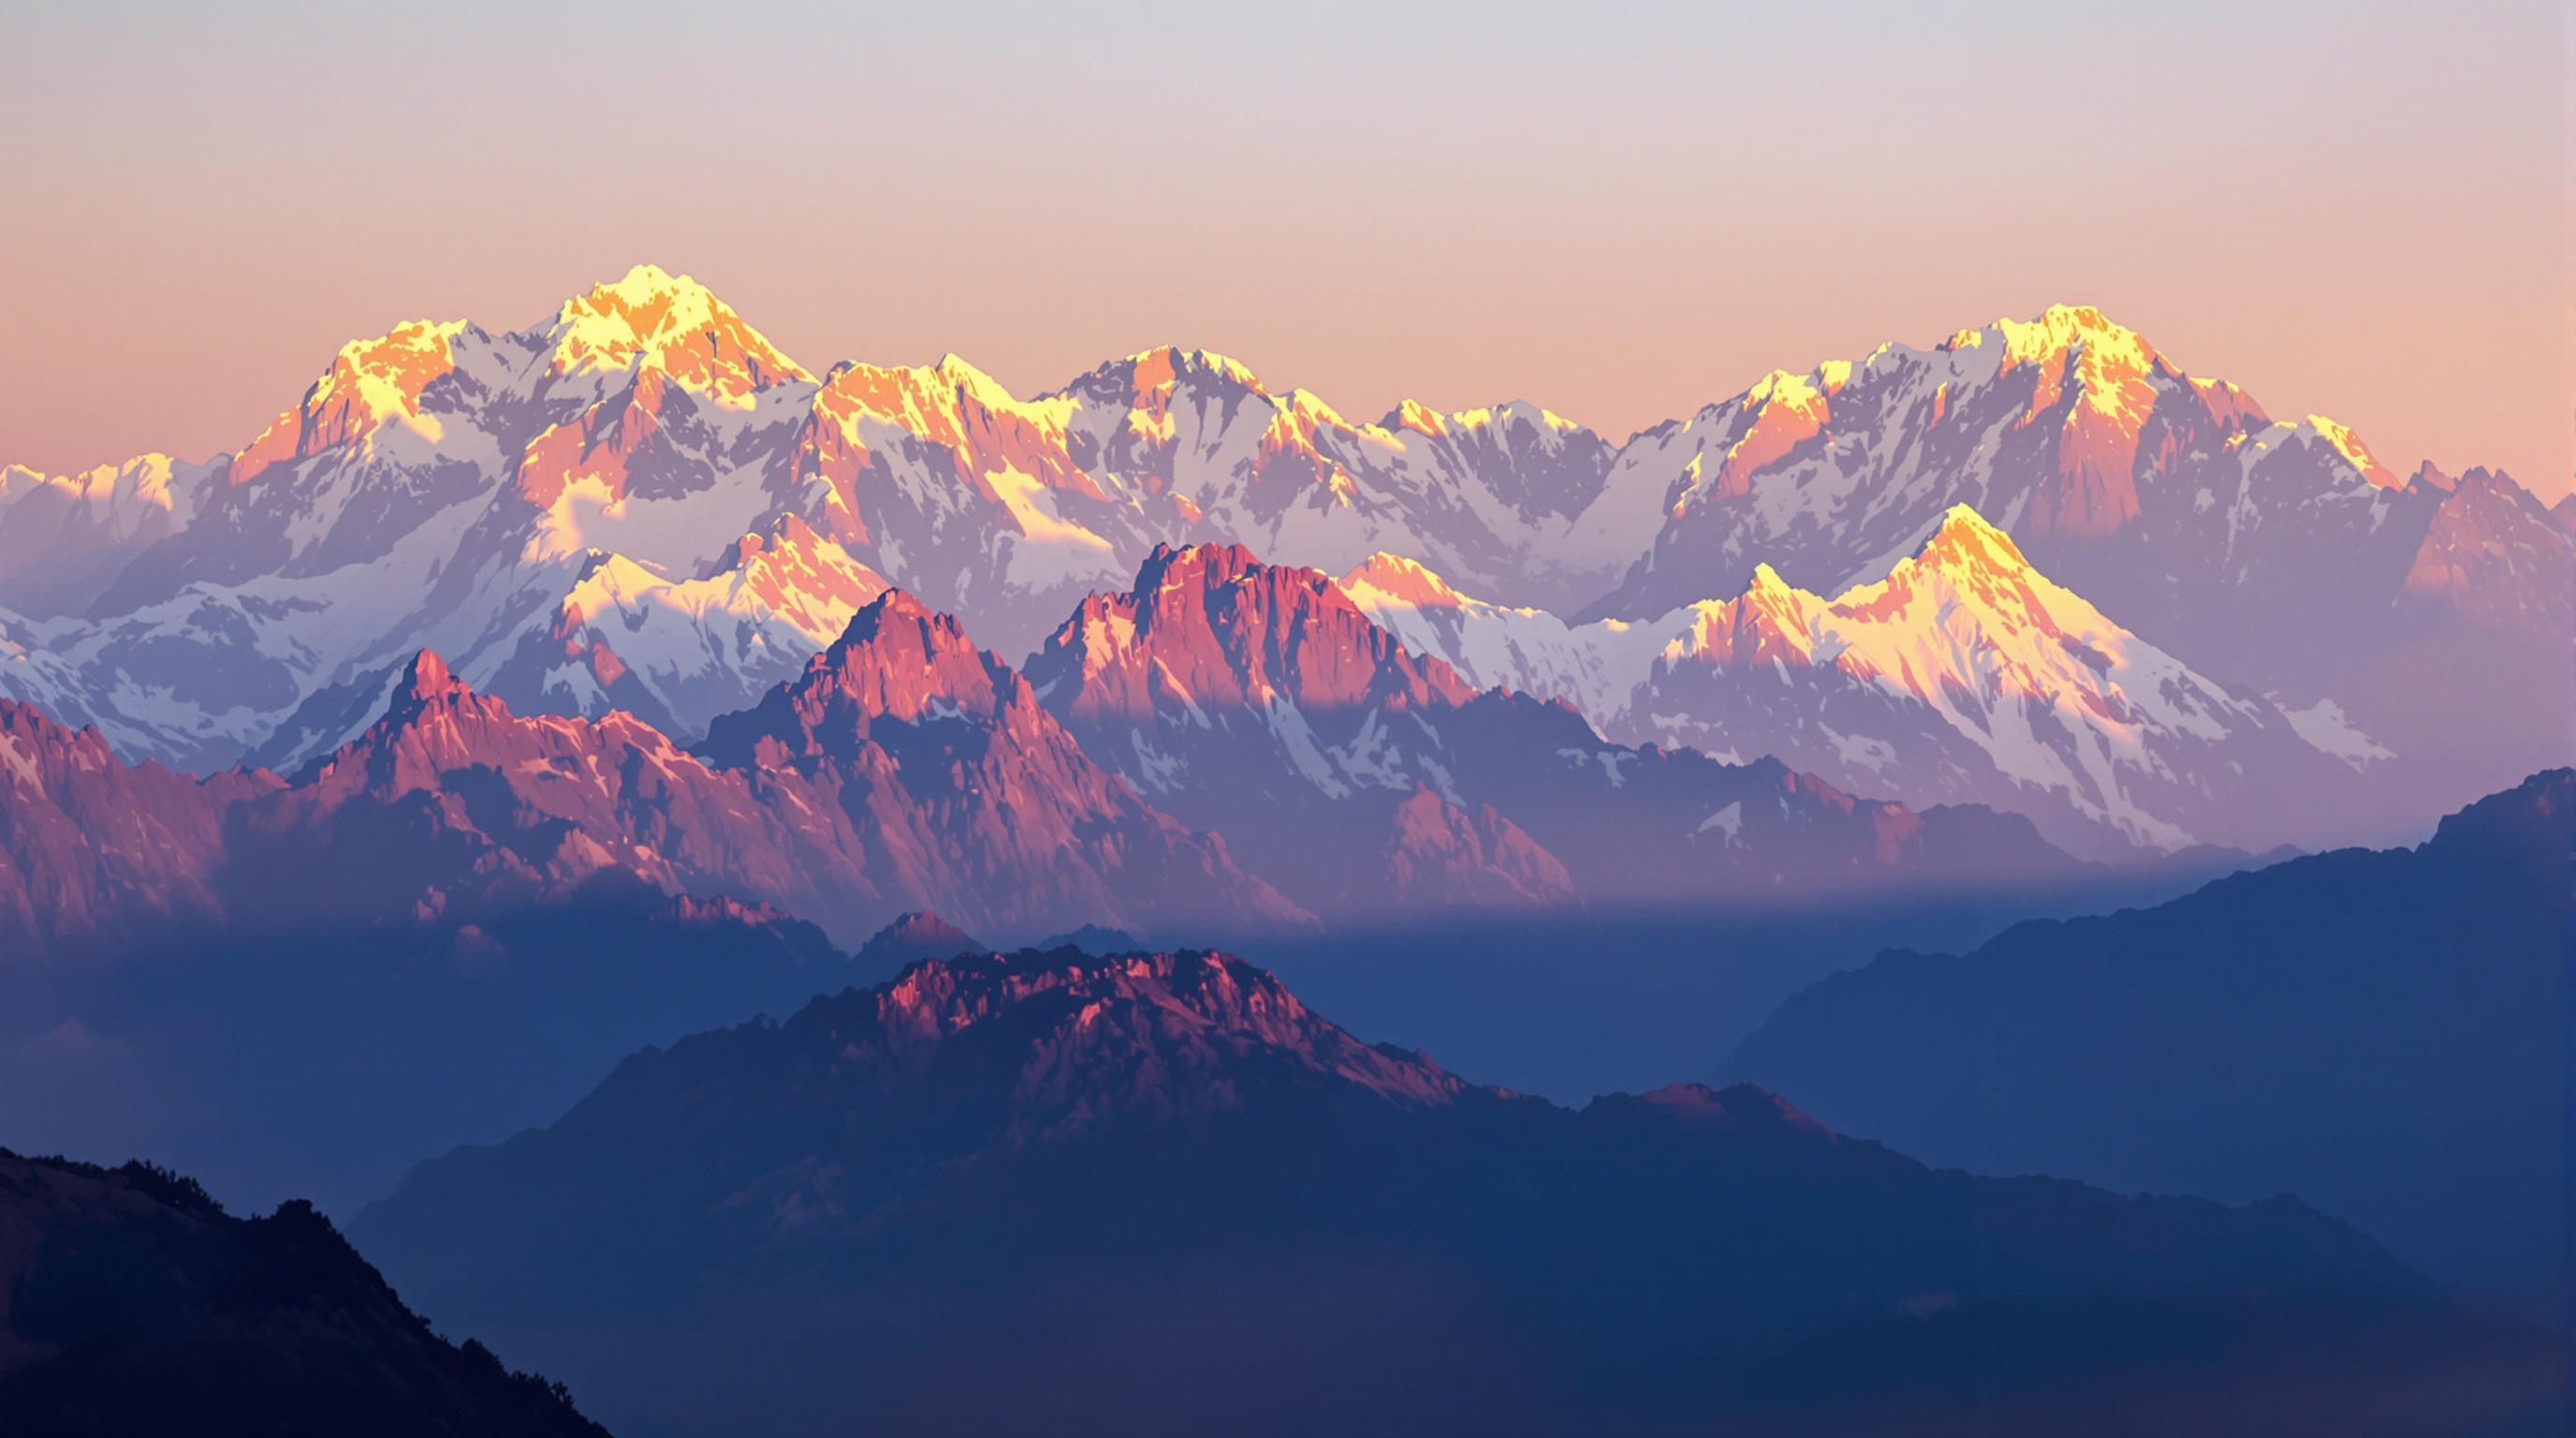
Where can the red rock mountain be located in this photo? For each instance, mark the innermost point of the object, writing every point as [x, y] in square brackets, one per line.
[92, 851]
[904, 770]
[1259, 697]
[933, 760]
[1161, 1034]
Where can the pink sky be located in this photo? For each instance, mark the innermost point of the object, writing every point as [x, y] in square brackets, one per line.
[1620, 212]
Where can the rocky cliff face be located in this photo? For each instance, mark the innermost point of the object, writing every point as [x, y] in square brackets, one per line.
[2495, 554]
[1255, 698]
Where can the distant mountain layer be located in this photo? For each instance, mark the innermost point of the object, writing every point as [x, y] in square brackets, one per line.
[2171, 500]
[640, 504]
[1156, 1194]
[136, 1305]
[1963, 676]
[2383, 1034]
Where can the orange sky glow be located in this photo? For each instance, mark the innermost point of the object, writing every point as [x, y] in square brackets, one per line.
[1621, 212]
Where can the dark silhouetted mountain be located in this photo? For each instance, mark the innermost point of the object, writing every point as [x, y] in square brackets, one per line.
[913, 936]
[1156, 1194]
[2383, 1034]
[135, 1305]
[1259, 701]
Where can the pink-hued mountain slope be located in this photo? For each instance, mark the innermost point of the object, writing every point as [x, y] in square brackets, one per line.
[903, 770]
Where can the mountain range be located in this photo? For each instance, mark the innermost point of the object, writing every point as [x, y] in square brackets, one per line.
[904, 769]
[1964, 675]
[1370, 782]
[1154, 1192]
[641, 505]
[520, 700]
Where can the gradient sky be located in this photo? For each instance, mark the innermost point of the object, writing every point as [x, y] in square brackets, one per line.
[1618, 210]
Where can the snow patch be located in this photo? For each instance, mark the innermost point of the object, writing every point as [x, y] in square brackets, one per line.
[2326, 729]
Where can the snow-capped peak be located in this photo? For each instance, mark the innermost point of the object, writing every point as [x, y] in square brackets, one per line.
[2355, 453]
[672, 323]
[117, 495]
[370, 383]
[1162, 366]
[1788, 410]
[1968, 566]
[956, 371]
[2058, 698]
[2058, 329]
[1385, 579]
[1967, 547]
[1965, 674]
[1422, 419]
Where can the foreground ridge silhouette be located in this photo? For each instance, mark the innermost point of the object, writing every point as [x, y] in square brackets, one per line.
[137, 1305]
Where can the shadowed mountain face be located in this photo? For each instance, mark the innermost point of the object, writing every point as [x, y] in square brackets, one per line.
[2383, 1034]
[1366, 781]
[1155, 1193]
[130, 1303]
